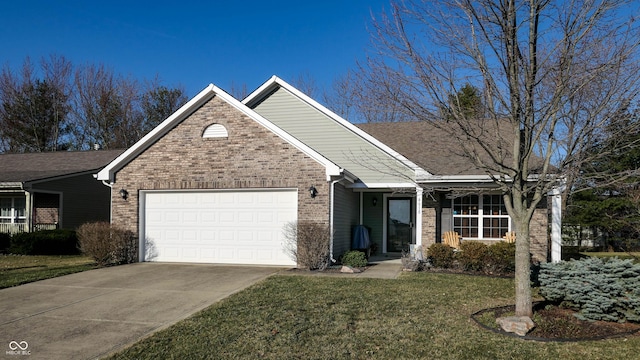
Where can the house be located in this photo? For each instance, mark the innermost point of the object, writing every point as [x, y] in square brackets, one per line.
[40, 191]
[218, 180]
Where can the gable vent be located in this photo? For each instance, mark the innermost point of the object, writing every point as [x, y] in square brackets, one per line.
[215, 131]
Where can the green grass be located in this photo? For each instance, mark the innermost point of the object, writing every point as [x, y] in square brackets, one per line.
[621, 255]
[571, 252]
[419, 316]
[20, 269]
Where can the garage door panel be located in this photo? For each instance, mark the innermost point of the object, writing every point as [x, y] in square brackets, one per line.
[243, 227]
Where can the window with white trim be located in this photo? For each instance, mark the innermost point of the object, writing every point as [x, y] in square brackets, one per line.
[12, 210]
[480, 217]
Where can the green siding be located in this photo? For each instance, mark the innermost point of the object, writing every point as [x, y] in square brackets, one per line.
[331, 139]
[372, 217]
[345, 217]
[83, 199]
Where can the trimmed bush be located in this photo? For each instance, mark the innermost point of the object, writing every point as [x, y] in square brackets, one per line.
[107, 244]
[598, 289]
[354, 259]
[440, 255]
[307, 243]
[5, 242]
[472, 255]
[45, 242]
[500, 258]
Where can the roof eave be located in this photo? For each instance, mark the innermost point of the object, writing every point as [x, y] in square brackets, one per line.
[11, 185]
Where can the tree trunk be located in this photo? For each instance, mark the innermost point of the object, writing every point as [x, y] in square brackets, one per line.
[524, 303]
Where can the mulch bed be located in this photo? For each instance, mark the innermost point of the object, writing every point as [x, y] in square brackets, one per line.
[555, 323]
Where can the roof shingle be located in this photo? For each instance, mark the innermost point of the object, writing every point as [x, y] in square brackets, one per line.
[429, 147]
[38, 166]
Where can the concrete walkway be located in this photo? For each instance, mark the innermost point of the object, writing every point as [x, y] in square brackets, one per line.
[383, 268]
[94, 313]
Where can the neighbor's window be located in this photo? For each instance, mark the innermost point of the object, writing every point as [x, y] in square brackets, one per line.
[12, 210]
[480, 217]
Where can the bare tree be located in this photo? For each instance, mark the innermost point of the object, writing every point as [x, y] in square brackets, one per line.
[106, 108]
[358, 99]
[158, 102]
[550, 74]
[33, 111]
[56, 107]
[307, 84]
[239, 91]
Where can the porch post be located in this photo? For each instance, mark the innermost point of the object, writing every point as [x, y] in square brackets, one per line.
[28, 210]
[556, 225]
[418, 219]
[361, 208]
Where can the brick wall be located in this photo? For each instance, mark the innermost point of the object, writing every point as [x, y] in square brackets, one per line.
[539, 235]
[251, 157]
[429, 219]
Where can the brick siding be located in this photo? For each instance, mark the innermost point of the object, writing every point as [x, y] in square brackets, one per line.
[251, 157]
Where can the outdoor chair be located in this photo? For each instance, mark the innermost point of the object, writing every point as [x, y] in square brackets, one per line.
[510, 237]
[452, 239]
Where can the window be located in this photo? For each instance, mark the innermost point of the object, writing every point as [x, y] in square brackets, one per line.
[12, 210]
[481, 217]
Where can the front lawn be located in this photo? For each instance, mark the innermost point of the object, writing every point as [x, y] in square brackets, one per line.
[572, 252]
[418, 316]
[22, 269]
[622, 255]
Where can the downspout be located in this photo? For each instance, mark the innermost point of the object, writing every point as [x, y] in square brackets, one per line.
[331, 211]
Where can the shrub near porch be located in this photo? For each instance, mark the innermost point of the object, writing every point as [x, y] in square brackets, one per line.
[495, 259]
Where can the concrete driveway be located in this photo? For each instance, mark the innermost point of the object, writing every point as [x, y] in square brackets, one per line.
[91, 314]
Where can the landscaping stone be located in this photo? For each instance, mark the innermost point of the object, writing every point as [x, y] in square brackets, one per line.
[350, 270]
[519, 325]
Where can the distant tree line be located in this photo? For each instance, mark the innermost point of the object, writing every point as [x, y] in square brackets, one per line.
[58, 106]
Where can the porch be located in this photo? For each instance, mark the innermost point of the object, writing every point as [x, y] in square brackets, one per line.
[24, 211]
[400, 217]
[18, 228]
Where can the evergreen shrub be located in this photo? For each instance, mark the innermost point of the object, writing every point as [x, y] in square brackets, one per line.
[45, 242]
[5, 242]
[472, 255]
[440, 255]
[354, 259]
[598, 289]
[501, 258]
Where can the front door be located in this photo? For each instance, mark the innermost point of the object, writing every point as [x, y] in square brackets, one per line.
[399, 224]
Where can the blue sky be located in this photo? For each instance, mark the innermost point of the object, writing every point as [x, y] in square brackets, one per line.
[194, 44]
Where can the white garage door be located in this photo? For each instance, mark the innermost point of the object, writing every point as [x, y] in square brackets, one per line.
[230, 227]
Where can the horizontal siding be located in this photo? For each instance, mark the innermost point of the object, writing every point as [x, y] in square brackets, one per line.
[332, 140]
[345, 217]
[373, 217]
[84, 199]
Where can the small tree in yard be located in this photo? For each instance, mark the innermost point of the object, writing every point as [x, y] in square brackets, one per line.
[550, 76]
[307, 243]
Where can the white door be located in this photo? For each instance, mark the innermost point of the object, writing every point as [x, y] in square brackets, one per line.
[230, 227]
